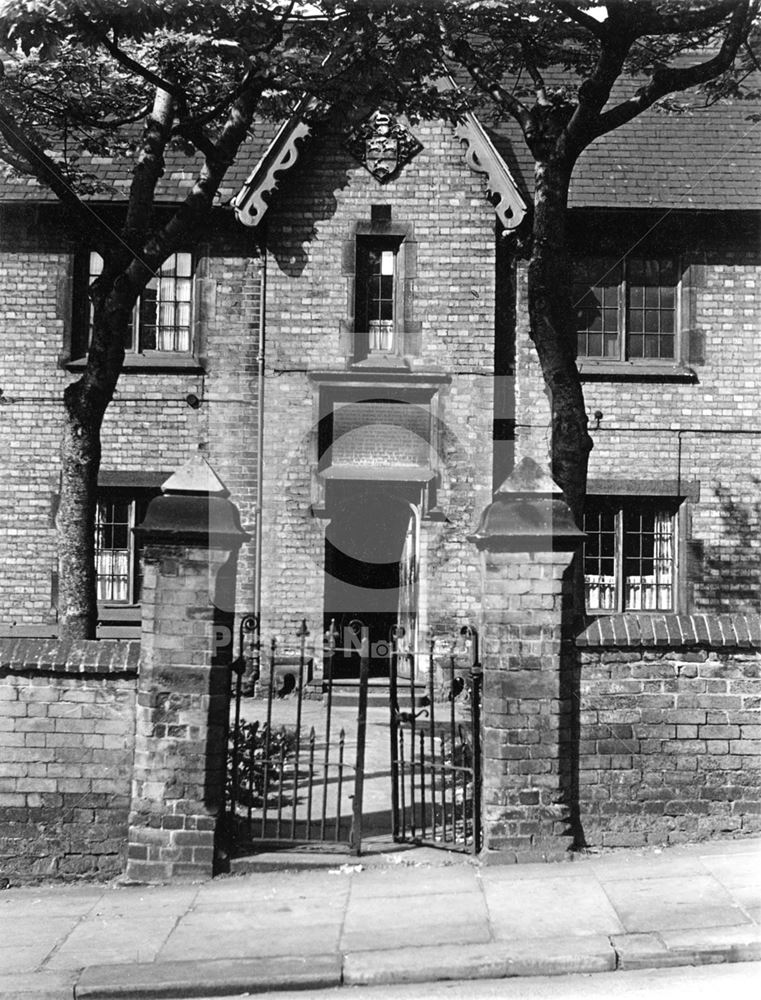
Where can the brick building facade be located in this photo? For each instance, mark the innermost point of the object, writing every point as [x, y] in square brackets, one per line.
[354, 362]
[380, 437]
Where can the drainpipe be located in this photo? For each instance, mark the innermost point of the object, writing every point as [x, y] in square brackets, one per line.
[259, 462]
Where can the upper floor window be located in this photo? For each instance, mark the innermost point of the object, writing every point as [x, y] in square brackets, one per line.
[162, 317]
[629, 555]
[376, 296]
[626, 310]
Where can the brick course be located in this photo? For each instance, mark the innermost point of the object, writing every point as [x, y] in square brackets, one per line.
[669, 745]
[148, 426]
[322, 199]
[67, 718]
[701, 434]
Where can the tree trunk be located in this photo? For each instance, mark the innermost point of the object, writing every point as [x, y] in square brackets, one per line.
[85, 403]
[553, 331]
[75, 522]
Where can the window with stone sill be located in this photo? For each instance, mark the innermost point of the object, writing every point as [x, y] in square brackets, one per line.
[376, 297]
[627, 310]
[630, 555]
[162, 320]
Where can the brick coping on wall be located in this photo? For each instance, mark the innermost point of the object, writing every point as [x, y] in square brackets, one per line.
[645, 629]
[70, 656]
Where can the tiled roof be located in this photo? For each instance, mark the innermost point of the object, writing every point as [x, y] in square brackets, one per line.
[178, 177]
[703, 159]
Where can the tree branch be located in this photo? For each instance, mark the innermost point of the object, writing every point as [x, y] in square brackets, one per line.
[149, 167]
[50, 174]
[573, 13]
[594, 92]
[21, 165]
[533, 72]
[195, 134]
[682, 21]
[129, 63]
[200, 199]
[465, 55]
[668, 80]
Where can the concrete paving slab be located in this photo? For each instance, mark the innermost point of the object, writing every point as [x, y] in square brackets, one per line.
[735, 870]
[299, 883]
[273, 908]
[233, 936]
[395, 922]
[24, 958]
[403, 881]
[53, 901]
[749, 899]
[740, 846]
[490, 961]
[669, 903]
[547, 907]
[117, 938]
[613, 868]
[145, 899]
[643, 951]
[530, 872]
[198, 979]
[415, 935]
[22, 930]
[715, 944]
[267, 893]
[376, 912]
[40, 986]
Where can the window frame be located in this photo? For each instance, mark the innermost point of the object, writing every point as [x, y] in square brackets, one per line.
[135, 358]
[623, 333]
[366, 244]
[137, 500]
[619, 506]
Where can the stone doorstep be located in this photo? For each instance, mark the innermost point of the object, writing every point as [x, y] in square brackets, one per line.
[494, 960]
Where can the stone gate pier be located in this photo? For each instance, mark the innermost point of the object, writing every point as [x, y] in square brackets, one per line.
[527, 537]
[191, 536]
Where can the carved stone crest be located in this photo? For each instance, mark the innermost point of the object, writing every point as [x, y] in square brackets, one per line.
[382, 145]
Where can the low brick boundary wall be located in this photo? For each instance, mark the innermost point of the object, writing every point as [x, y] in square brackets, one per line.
[67, 724]
[670, 728]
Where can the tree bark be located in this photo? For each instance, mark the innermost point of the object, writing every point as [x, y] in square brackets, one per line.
[553, 330]
[85, 403]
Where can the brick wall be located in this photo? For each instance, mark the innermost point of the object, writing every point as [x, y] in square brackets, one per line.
[67, 722]
[310, 226]
[702, 433]
[670, 735]
[148, 426]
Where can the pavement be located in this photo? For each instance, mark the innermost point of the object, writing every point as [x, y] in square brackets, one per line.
[396, 916]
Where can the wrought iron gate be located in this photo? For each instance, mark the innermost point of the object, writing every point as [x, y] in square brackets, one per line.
[297, 776]
[436, 752]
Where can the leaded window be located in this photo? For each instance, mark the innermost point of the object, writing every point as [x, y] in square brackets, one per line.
[162, 317]
[117, 557]
[629, 555]
[626, 310]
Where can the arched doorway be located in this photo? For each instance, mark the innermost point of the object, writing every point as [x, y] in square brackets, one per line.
[370, 568]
